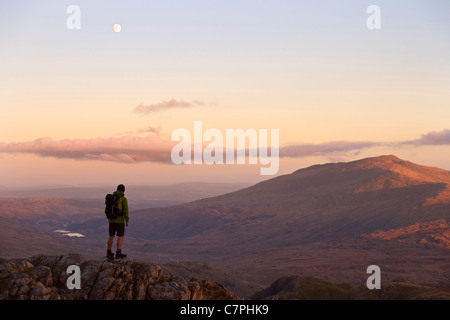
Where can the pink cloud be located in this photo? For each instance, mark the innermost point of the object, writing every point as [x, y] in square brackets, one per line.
[149, 129]
[304, 150]
[126, 149]
[433, 138]
[167, 105]
[157, 147]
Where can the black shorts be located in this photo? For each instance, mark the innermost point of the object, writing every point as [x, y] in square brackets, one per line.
[118, 228]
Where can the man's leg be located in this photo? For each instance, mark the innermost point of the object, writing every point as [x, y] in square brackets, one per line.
[119, 243]
[112, 232]
[120, 235]
[110, 242]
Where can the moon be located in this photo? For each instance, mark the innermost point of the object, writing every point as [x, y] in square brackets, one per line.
[117, 27]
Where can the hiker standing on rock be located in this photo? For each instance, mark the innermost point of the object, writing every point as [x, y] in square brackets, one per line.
[117, 224]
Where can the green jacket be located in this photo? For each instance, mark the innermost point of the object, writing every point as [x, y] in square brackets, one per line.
[123, 205]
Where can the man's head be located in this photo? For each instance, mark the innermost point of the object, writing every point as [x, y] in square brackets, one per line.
[121, 187]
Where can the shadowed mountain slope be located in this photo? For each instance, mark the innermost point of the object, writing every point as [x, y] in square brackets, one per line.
[311, 288]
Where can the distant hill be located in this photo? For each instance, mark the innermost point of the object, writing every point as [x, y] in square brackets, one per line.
[163, 194]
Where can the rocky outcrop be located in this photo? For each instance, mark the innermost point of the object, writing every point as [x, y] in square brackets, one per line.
[434, 233]
[46, 277]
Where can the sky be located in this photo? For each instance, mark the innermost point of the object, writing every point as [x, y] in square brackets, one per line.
[89, 105]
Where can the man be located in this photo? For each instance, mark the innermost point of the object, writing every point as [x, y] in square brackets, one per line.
[117, 225]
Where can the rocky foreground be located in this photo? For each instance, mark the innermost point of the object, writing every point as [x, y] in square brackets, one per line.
[46, 278]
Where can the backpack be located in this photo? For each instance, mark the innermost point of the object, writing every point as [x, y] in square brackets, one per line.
[111, 206]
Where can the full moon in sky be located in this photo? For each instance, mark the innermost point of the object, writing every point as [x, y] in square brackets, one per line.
[117, 27]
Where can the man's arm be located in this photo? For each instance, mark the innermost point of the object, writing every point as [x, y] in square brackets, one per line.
[125, 210]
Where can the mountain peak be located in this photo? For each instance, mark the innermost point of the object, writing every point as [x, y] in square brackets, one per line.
[381, 161]
[383, 158]
[391, 172]
[403, 170]
[384, 162]
[385, 167]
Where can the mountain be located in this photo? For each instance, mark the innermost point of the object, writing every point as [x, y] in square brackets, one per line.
[319, 203]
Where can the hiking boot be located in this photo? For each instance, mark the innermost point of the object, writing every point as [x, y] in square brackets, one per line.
[120, 255]
[109, 255]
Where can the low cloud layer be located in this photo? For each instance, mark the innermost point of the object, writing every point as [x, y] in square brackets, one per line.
[158, 147]
[127, 149]
[432, 138]
[149, 129]
[167, 105]
[305, 150]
